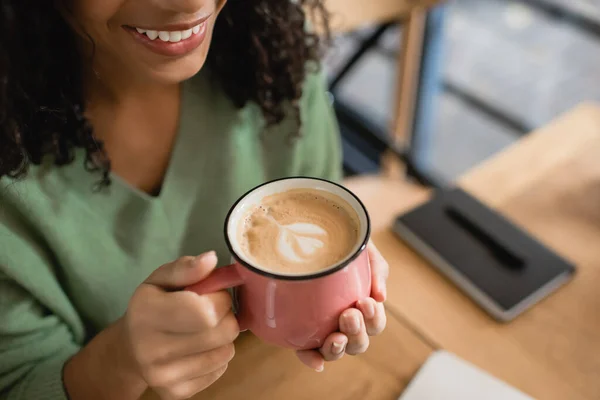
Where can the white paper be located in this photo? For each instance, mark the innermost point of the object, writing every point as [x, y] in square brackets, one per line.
[447, 377]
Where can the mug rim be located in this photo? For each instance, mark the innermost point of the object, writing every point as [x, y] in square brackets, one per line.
[320, 274]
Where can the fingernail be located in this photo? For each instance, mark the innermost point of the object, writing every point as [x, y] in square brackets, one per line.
[352, 325]
[368, 309]
[320, 369]
[337, 348]
[210, 256]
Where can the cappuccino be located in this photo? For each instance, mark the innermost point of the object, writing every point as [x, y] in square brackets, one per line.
[300, 231]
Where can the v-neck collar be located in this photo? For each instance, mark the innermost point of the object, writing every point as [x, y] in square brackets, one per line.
[120, 195]
[173, 158]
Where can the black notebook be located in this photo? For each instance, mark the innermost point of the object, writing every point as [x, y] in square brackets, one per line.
[501, 267]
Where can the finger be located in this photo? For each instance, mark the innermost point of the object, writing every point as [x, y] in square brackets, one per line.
[379, 273]
[373, 315]
[353, 326]
[334, 347]
[190, 367]
[175, 346]
[186, 312]
[312, 359]
[183, 272]
[185, 390]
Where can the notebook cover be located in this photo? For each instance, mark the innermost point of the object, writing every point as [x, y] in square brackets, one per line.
[508, 273]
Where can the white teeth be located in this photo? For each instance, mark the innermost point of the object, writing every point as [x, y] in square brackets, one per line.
[186, 34]
[175, 36]
[164, 36]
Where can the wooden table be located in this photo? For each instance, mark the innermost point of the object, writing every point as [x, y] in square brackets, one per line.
[262, 372]
[549, 183]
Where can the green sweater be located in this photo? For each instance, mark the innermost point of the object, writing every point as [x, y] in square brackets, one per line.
[70, 258]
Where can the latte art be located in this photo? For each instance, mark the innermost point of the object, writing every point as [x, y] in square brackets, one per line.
[299, 231]
[297, 242]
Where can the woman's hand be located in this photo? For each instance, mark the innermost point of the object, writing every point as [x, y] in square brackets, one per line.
[172, 341]
[356, 324]
[180, 342]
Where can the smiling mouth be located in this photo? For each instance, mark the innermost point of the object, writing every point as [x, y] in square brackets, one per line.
[173, 36]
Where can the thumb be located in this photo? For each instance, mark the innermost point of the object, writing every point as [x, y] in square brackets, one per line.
[184, 271]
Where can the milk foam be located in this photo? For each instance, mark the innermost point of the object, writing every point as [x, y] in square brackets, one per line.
[296, 234]
[301, 230]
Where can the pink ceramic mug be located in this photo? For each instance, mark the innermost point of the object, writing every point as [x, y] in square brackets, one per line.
[291, 310]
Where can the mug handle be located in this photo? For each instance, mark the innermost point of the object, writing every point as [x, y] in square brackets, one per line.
[220, 279]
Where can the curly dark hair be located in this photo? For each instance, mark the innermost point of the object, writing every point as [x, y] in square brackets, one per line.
[41, 83]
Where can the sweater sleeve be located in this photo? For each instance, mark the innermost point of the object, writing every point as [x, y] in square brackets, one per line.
[322, 148]
[38, 329]
[34, 346]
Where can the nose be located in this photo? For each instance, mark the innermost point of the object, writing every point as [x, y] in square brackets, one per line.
[185, 6]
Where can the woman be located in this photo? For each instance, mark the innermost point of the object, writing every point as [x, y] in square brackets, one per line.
[120, 152]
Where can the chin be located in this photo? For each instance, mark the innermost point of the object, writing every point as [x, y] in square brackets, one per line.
[177, 71]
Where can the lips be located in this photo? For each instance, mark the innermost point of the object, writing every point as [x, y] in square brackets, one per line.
[172, 36]
[171, 41]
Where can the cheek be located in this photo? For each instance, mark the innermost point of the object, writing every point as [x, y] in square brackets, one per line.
[220, 5]
[96, 17]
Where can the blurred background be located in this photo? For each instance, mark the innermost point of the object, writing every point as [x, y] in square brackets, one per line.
[491, 72]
